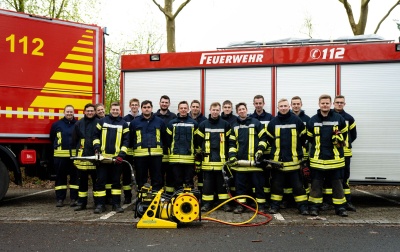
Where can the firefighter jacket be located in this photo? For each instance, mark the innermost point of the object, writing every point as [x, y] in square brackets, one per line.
[230, 118]
[82, 142]
[246, 138]
[264, 118]
[111, 136]
[287, 134]
[166, 118]
[306, 147]
[352, 133]
[200, 118]
[180, 139]
[324, 153]
[129, 118]
[60, 136]
[147, 136]
[213, 138]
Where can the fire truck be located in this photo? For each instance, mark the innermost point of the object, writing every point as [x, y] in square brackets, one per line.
[365, 71]
[45, 65]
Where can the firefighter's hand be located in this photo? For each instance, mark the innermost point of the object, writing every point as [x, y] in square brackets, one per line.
[119, 160]
[258, 156]
[233, 161]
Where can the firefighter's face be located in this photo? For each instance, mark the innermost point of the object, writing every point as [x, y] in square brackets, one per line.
[296, 105]
[283, 107]
[339, 104]
[227, 108]
[100, 112]
[259, 104]
[115, 111]
[325, 105]
[134, 107]
[242, 112]
[215, 111]
[183, 110]
[164, 104]
[146, 110]
[195, 108]
[89, 112]
[69, 113]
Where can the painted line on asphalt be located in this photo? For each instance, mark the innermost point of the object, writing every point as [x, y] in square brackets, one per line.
[112, 213]
[278, 216]
[28, 195]
[378, 196]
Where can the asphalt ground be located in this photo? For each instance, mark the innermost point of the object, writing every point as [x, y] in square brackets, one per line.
[375, 205]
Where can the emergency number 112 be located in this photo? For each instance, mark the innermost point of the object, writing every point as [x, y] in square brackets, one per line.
[24, 41]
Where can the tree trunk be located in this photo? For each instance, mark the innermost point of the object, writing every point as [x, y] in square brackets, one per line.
[170, 26]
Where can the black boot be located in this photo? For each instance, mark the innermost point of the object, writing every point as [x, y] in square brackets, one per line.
[99, 209]
[117, 208]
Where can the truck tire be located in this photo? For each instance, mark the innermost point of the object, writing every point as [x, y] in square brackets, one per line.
[4, 179]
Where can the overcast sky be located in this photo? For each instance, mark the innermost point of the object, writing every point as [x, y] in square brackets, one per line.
[209, 24]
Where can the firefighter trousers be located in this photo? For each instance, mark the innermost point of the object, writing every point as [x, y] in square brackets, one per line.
[102, 171]
[183, 174]
[149, 165]
[84, 185]
[247, 180]
[64, 166]
[213, 183]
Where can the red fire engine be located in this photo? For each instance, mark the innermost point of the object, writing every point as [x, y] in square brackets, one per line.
[366, 72]
[45, 64]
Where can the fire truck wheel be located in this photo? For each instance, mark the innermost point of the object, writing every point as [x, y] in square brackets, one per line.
[4, 179]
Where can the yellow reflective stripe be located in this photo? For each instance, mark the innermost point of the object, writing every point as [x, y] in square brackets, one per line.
[294, 146]
[277, 143]
[207, 146]
[287, 190]
[246, 169]
[347, 191]
[82, 194]
[126, 187]
[169, 189]
[146, 152]
[59, 140]
[200, 133]
[291, 166]
[158, 137]
[138, 137]
[103, 139]
[116, 191]
[222, 146]
[207, 197]
[223, 196]
[108, 186]
[124, 131]
[60, 187]
[61, 153]
[339, 201]
[99, 193]
[315, 200]
[216, 166]
[73, 186]
[317, 142]
[327, 164]
[276, 197]
[267, 189]
[300, 198]
[251, 145]
[186, 159]
[118, 138]
[261, 133]
[327, 191]
[261, 201]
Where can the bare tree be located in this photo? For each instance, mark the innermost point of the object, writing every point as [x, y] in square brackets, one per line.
[359, 28]
[307, 27]
[170, 21]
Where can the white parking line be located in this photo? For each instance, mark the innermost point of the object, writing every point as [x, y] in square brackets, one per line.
[28, 195]
[278, 216]
[112, 213]
[378, 196]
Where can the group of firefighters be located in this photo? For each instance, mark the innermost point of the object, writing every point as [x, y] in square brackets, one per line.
[173, 149]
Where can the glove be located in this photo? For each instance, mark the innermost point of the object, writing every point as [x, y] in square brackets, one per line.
[233, 161]
[337, 138]
[119, 160]
[305, 170]
[258, 156]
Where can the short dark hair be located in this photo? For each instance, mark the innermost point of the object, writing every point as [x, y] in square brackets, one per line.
[146, 102]
[183, 102]
[165, 97]
[325, 96]
[258, 97]
[227, 102]
[240, 104]
[195, 101]
[115, 104]
[89, 105]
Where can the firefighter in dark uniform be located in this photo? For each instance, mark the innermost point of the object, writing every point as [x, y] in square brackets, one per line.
[60, 136]
[166, 170]
[326, 132]
[264, 117]
[126, 170]
[339, 104]
[111, 139]
[213, 135]
[247, 141]
[147, 136]
[195, 114]
[287, 134]
[82, 146]
[180, 135]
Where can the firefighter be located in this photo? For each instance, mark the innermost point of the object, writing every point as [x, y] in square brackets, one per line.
[100, 112]
[111, 139]
[126, 170]
[82, 146]
[166, 115]
[339, 104]
[247, 141]
[213, 135]
[264, 117]
[326, 133]
[195, 114]
[180, 135]
[287, 134]
[60, 136]
[147, 136]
